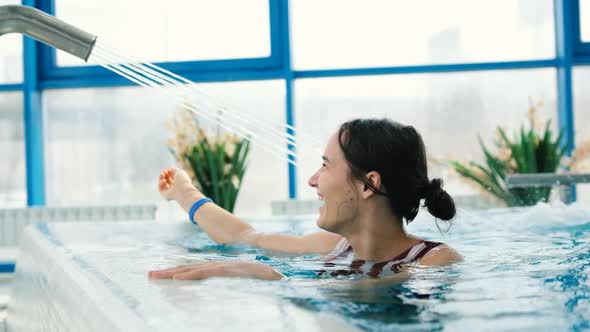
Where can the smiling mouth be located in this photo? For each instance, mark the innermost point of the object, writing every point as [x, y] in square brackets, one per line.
[322, 202]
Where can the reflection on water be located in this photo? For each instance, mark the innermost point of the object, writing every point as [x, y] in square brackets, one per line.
[524, 269]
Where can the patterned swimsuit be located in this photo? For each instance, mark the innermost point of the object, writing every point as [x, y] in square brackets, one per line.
[341, 262]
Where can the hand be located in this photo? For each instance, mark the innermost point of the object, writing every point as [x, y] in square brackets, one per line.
[203, 270]
[172, 182]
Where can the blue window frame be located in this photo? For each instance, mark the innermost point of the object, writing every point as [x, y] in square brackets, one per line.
[11, 87]
[53, 76]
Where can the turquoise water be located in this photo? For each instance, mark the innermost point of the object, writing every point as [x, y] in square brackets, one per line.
[524, 269]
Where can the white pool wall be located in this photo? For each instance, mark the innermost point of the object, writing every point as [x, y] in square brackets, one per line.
[93, 277]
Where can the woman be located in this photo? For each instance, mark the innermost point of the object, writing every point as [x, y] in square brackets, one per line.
[373, 177]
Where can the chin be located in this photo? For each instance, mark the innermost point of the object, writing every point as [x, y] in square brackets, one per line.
[319, 222]
[323, 224]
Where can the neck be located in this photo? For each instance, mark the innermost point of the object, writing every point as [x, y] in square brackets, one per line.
[378, 236]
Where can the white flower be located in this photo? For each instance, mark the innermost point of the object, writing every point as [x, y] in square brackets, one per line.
[235, 181]
[504, 154]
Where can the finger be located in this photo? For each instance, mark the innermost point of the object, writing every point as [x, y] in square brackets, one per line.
[168, 273]
[168, 177]
[183, 267]
[198, 274]
[164, 274]
[169, 172]
[162, 185]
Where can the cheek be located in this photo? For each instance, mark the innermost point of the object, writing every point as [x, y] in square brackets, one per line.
[326, 187]
[331, 180]
[349, 200]
[344, 205]
[338, 189]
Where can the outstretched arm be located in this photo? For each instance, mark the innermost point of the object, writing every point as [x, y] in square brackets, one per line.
[224, 227]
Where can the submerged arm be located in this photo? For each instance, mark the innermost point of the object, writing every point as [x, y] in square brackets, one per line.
[209, 269]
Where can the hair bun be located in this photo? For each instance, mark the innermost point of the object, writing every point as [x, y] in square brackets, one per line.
[433, 189]
[439, 202]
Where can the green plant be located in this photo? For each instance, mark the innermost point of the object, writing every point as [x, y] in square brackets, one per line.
[216, 162]
[531, 150]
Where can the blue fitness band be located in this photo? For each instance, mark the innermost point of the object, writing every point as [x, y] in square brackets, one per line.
[196, 206]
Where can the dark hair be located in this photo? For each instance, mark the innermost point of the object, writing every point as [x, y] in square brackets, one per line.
[397, 153]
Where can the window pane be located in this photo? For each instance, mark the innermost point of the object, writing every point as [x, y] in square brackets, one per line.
[13, 192]
[109, 145]
[11, 63]
[585, 20]
[340, 34]
[582, 121]
[176, 30]
[450, 110]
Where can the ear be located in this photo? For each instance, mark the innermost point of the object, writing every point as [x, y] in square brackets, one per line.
[375, 179]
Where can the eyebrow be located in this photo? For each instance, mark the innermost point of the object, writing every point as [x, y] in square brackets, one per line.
[325, 158]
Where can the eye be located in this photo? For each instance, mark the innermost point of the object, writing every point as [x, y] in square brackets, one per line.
[323, 164]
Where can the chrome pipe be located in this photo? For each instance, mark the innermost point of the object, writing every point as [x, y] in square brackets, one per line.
[545, 179]
[548, 179]
[46, 29]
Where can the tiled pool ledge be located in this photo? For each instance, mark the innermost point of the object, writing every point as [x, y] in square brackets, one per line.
[14, 221]
[93, 277]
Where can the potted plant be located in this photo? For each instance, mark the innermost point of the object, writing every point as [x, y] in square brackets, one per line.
[535, 149]
[216, 161]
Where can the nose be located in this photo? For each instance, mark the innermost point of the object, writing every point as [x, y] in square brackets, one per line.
[313, 180]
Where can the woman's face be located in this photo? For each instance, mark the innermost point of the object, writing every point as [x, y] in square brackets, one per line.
[336, 189]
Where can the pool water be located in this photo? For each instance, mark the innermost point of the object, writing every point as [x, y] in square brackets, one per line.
[524, 269]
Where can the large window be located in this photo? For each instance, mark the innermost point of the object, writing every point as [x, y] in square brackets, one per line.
[174, 30]
[11, 54]
[108, 145]
[450, 110]
[12, 182]
[104, 134]
[339, 34]
[585, 20]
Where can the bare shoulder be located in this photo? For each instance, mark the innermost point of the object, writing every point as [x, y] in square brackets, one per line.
[441, 255]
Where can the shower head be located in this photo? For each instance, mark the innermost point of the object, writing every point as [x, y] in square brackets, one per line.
[47, 29]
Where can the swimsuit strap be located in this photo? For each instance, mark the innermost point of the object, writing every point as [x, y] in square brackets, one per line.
[394, 264]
